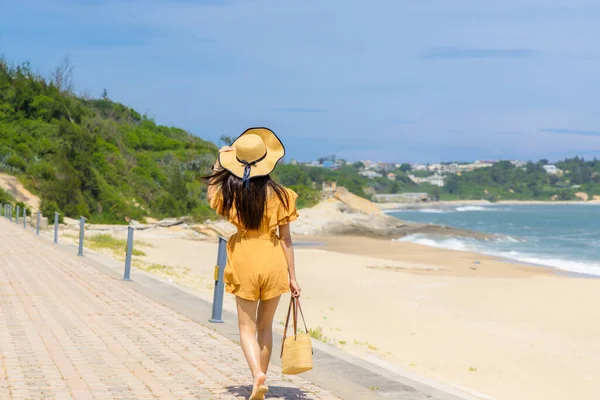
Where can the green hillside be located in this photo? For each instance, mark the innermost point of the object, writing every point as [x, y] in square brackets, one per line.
[504, 181]
[96, 158]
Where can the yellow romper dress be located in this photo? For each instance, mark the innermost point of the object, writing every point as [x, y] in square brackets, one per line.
[256, 264]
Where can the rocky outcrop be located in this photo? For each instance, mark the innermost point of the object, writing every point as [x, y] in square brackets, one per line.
[333, 217]
[582, 196]
[356, 203]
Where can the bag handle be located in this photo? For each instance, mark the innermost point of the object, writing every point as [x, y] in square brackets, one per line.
[293, 308]
[298, 307]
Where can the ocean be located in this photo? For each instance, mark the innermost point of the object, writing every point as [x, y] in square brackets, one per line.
[565, 237]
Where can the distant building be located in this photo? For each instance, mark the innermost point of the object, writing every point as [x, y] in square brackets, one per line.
[551, 169]
[437, 180]
[330, 185]
[370, 174]
[391, 176]
[386, 166]
[329, 164]
[370, 164]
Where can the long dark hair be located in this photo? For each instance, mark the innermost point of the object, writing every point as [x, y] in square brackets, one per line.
[250, 202]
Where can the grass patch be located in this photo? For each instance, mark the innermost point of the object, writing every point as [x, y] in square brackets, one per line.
[342, 342]
[371, 346]
[165, 269]
[106, 241]
[374, 388]
[160, 268]
[473, 369]
[316, 333]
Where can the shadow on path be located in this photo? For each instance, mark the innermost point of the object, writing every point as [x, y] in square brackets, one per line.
[275, 392]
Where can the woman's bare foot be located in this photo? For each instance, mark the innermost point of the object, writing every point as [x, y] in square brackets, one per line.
[260, 389]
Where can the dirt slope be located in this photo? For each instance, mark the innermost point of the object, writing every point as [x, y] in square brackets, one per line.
[14, 187]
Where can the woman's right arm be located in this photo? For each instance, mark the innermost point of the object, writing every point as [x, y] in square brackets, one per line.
[212, 189]
[210, 192]
[285, 236]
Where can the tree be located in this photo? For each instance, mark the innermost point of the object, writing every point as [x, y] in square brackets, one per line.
[226, 140]
[358, 165]
[435, 194]
[62, 76]
[105, 94]
[451, 185]
[405, 167]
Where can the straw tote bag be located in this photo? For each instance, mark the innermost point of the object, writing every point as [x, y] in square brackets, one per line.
[296, 351]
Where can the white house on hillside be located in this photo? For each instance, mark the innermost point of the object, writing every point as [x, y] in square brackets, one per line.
[551, 169]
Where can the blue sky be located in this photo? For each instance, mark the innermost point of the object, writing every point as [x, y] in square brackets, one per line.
[388, 80]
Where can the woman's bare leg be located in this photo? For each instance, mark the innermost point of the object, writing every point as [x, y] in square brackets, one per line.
[264, 326]
[247, 322]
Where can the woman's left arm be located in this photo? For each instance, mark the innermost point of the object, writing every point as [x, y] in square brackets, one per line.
[285, 236]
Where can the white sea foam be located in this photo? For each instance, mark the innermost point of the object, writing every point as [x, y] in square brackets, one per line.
[473, 208]
[449, 243]
[432, 211]
[581, 267]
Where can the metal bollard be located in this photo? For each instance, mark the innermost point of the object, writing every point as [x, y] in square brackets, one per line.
[37, 224]
[81, 233]
[17, 215]
[217, 309]
[24, 218]
[127, 273]
[56, 227]
[11, 210]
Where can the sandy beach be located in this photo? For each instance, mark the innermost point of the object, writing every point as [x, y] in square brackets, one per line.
[496, 329]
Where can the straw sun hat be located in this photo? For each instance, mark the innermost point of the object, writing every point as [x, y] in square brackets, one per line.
[255, 153]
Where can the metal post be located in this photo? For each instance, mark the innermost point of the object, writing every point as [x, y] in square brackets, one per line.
[11, 210]
[126, 275]
[17, 214]
[37, 225]
[1, 212]
[81, 232]
[217, 309]
[56, 227]
[24, 218]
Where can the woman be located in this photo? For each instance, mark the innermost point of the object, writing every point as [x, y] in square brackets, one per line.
[260, 255]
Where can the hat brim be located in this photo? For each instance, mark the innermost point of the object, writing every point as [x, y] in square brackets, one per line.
[275, 152]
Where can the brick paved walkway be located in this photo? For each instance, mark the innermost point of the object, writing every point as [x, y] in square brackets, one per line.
[68, 331]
